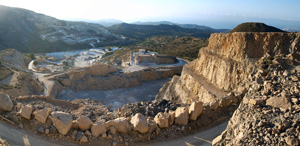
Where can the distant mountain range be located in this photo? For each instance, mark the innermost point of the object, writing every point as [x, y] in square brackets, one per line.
[141, 32]
[191, 26]
[28, 31]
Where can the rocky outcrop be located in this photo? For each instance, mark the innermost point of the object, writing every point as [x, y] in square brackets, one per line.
[6, 103]
[269, 111]
[224, 65]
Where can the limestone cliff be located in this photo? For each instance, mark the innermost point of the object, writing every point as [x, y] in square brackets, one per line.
[224, 66]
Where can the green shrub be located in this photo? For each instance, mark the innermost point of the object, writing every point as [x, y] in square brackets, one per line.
[31, 56]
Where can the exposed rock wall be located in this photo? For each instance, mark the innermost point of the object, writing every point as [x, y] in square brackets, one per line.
[225, 64]
[105, 77]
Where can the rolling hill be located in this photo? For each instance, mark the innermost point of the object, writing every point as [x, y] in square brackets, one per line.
[141, 32]
[255, 27]
[28, 31]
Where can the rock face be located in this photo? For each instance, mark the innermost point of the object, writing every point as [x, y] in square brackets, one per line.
[6, 103]
[161, 120]
[84, 123]
[98, 128]
[224, 65]
[181, 116]
[41, 115]
[121, 125]
[62, 121]
[26, 112]
[269, 111]
[139, 123]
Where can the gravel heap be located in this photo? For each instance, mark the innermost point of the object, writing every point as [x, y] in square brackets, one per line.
[269, 112]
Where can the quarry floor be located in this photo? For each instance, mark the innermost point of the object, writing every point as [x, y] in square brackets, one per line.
[118, 97]
[21, 137]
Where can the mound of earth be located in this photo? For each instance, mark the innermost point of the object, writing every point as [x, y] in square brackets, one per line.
[255, 27]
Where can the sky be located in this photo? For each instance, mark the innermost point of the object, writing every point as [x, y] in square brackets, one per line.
[214, 13]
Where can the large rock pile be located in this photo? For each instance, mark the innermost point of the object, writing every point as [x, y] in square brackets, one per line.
[269, 112]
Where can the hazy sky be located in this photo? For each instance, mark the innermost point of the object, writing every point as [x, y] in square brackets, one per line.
[216, 13]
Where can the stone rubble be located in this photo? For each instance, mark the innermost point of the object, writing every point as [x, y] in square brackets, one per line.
[269, 112]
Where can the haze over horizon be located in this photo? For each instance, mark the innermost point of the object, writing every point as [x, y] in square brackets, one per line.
[213, 13]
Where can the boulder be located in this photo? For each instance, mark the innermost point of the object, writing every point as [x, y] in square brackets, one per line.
[87, 133]
[98, 128]
[84, 139]
[112, 130]
[139, 123]
[41, 130]
[171, 117]
[152, 125]
[181, 116]
[84, 123]
[41, 115]
[121, 124]
[228, 100]
[26, 112]
[195, 110]
[161, 120]
[6, 103]
[62, 121]
[279, 102]
[257, 101]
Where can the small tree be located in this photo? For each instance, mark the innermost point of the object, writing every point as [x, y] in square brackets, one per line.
[31, 56]
[34, 63]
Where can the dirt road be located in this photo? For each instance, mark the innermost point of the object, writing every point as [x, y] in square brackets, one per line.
[19, 137]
